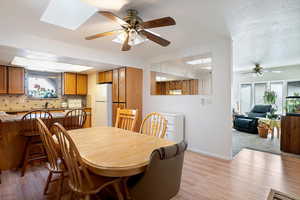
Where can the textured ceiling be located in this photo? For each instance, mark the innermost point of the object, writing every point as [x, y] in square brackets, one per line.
[264, 31]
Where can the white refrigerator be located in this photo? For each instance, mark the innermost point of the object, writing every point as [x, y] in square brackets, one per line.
[103, 105]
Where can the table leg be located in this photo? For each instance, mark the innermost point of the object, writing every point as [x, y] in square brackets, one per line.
[272, 133]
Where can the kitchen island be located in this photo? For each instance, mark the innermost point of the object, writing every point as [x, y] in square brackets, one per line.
[12, 144]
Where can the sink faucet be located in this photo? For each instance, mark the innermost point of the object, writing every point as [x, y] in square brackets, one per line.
[46, 105]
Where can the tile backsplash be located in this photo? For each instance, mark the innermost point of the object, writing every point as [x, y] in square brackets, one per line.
[16, 102]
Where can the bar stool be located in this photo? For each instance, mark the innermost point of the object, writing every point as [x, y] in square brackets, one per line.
[74, 119]
[31, 132]
[0, 169]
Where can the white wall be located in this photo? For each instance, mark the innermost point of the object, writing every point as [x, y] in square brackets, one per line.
[208, 122]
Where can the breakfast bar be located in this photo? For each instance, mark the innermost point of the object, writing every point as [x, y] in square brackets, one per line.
[12, 144]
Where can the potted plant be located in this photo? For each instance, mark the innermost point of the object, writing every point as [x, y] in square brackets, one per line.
[263, 129]
[270, 98]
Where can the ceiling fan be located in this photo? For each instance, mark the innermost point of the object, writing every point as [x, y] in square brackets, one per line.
[134, 30]
[258, 70]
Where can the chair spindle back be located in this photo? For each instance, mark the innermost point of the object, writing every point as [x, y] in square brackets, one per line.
[154, 124]
[74, 119]
[126, 119]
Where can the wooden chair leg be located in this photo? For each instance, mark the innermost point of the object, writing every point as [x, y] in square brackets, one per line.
[25, 157]
[124, 181]
[118, 191]
[71, 195]
[61, 186]
[48, 182]
[87, 197]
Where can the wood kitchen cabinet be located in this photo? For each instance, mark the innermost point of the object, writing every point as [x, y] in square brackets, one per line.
[185, 87]
[290, 134]
[75, 84]
[115, 107]
[127, 90]
[105, 77]
[70, 83]
[194, 87]
[115, 86]
[88, 121]
[3, 80]
[16, 80]
[122, 84]
[82, 82]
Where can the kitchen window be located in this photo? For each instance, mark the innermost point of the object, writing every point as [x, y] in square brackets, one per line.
[43, 85]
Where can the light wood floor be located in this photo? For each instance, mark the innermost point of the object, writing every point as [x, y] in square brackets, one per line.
[250, 176]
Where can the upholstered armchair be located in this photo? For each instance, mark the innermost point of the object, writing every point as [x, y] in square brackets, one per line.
[161, 180]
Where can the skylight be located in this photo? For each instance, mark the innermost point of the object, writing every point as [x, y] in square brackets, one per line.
[41, 65]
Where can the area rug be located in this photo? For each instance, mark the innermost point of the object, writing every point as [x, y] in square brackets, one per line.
[241, 140]
[276, 195]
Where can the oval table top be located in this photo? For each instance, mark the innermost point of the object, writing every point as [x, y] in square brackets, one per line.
[115, 152]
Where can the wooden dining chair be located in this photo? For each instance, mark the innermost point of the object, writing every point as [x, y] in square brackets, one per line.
[154, 124]
[30, 130]
[74, 119]
[161, 180]
[0, 169]
[81, 181]
[55, 164]
[126, 119]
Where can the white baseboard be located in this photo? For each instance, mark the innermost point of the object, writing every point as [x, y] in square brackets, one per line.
[209, 154]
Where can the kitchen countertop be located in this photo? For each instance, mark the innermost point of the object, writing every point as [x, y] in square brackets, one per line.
[48, 109]
[5, 117]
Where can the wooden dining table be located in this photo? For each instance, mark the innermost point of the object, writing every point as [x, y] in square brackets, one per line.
[114, 152]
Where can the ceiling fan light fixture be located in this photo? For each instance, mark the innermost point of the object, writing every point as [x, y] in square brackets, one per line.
[134, 38]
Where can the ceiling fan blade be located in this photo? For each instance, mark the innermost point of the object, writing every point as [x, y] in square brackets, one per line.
[126, 46]
[114, 18]
[165, 21]
[155, 38]
[104, 34]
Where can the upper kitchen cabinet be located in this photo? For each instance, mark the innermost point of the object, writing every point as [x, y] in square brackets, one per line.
[82, 80]
[3, 79]
[105, 77]
[70, 83]
[75, 84]
[16, 80]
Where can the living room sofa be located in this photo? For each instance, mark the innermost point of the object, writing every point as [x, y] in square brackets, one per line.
[248, 123]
